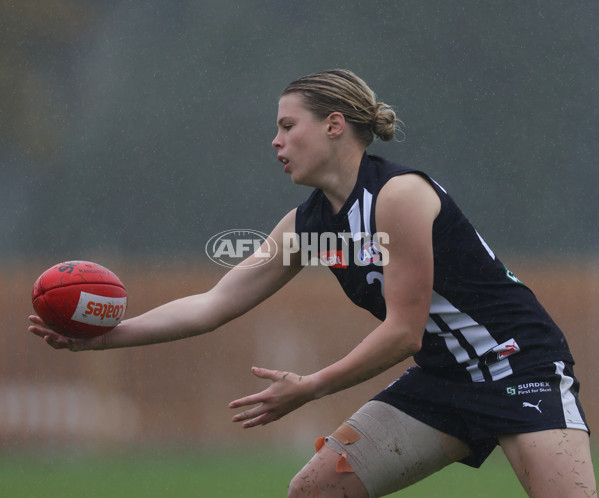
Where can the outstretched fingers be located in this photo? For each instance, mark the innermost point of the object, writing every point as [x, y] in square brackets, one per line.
[281, 397]
[265, 373]
[253, 416]
[53, 339]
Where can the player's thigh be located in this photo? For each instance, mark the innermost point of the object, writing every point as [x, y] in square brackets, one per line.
[321, 477]
[378, 451]
[552, 463]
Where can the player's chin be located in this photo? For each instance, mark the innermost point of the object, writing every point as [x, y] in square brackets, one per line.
[299, 179]
[294, 178]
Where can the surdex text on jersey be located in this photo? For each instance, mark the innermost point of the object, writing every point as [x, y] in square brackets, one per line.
[534, 385]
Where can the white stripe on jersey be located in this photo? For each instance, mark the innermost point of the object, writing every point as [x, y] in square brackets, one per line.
[477, 336]
[572, 415]
[367, 203]
[486, 246]
[438, 185]
[355, 220]
[355, 217]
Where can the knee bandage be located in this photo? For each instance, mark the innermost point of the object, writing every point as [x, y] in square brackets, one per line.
[387, 449]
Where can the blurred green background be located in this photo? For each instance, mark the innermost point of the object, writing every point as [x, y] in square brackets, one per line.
[232, 474]
[132, 131]
[250, 473]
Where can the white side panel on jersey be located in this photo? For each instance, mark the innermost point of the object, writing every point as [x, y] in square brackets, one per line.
[572, 415]
[477, 336]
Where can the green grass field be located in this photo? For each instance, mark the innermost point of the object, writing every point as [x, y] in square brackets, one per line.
[252, 474]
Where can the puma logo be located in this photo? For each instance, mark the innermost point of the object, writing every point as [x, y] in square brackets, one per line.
[525, 404]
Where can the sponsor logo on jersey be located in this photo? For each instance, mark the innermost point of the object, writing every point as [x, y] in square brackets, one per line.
[334, 259]
[512, 276]
[506, 349]
[526, 404]
[501, 351]
[99, 310]
[528, 388]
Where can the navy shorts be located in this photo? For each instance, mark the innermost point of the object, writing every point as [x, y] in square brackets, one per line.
[536, 399]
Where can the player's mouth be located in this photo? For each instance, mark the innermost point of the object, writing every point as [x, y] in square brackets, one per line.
[285, 161]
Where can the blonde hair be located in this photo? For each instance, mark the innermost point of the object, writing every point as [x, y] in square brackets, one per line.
[340, 90]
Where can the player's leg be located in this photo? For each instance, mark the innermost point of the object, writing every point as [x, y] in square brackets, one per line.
[320, 477]
[552, 463]
[378, 451]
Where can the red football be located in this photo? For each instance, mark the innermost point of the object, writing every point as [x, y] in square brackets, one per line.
[79, 299]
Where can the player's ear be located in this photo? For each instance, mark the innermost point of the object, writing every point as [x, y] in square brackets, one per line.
[335, 124]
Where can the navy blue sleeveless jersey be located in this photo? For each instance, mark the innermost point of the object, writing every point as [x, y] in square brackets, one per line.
[484, 324]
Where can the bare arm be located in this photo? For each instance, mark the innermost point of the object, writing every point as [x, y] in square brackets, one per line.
[237, 292]
[406, 209]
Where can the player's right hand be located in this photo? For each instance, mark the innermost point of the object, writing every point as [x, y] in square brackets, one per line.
[54, 339]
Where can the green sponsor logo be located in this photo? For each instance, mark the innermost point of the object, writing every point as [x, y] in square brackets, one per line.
[512, 276]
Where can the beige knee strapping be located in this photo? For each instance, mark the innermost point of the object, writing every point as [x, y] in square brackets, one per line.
[389, 450]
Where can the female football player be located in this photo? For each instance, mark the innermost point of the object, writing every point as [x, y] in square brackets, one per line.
[492, 366]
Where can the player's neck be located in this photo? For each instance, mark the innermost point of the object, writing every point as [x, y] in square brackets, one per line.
[341, 179]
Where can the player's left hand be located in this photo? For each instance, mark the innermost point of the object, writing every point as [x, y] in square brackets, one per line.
[287, 392]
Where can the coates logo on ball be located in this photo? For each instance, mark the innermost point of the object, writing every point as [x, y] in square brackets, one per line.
[231, 248]
[99, 310]
[79, 299]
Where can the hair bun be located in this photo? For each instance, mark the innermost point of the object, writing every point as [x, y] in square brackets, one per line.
[384, 122]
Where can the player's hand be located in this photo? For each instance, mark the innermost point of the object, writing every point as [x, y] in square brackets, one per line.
[287, 392]
[54, 339]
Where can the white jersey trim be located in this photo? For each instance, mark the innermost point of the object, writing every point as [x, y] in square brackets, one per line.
[367, 203]
[355, 217]
[476, 336]
[572, 415]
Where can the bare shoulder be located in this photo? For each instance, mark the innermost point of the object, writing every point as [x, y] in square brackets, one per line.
[287, 223]
[408, 195]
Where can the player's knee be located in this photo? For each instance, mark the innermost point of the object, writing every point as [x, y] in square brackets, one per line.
[300, 488]
[318, 474]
